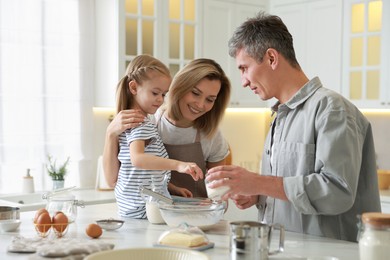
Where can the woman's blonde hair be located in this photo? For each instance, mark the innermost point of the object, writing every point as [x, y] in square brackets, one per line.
[139, 70]
[186, 80]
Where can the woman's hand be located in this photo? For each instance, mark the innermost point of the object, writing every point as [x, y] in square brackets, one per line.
[125, 119]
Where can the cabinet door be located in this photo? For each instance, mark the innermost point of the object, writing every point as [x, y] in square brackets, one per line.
[317, 38]
[324, 43]
[385, 207]
[166, 29]
[365, 53]
[219, 21]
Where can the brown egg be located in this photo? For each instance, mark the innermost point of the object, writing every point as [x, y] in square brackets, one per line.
[39, 212]
[60, 221]
[94, 230]
[43, 222]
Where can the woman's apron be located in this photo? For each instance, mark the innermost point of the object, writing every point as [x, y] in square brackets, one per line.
[191, 152]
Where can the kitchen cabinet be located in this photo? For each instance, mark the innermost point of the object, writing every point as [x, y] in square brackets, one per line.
[385, 207]
[220, 19]
[385, 201]
[366, 57]
[166, 29]
[316, 27]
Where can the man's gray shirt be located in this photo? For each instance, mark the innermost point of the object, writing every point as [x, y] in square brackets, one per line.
[323, 147]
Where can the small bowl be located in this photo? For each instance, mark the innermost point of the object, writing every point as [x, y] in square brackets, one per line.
[201, 214]
[9, 225]
[110, 224]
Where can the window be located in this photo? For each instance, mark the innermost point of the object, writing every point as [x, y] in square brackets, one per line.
[45, 89]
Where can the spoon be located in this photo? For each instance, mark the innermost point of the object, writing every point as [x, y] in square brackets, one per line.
[155, 195]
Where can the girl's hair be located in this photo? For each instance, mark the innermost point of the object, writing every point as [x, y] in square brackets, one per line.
[261, 32]
[139, 69]
[186, 80]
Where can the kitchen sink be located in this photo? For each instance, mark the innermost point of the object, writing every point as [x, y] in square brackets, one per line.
[26, 201]
[34, 201]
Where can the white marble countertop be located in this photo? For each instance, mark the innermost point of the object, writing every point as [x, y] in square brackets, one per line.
[140, 233]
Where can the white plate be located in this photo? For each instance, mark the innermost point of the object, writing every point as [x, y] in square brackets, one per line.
[149, 253]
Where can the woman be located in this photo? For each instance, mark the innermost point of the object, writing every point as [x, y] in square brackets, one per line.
[142, 154]
[188, 125]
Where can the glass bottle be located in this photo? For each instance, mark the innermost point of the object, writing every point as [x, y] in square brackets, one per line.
[375, 237]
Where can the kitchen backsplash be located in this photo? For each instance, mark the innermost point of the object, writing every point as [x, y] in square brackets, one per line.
[245, 130]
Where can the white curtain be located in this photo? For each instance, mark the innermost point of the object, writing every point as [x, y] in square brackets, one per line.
[46, 90]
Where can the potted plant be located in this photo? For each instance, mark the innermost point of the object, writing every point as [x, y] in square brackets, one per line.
[57, 174]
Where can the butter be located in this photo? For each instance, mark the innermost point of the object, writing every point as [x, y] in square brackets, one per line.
[182, 239]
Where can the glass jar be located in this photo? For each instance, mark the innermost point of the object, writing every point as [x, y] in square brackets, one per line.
[375, 238]
[65, 203]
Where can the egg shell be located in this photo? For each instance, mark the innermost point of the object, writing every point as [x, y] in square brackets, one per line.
[60, 221]
[43, 222]
[94, 230]
[38, 213]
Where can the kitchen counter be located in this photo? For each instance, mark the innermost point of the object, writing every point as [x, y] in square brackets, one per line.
[140, 233]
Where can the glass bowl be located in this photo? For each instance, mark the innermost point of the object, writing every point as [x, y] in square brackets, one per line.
[202, 214]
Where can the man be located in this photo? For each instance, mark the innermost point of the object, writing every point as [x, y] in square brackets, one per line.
[318, 167]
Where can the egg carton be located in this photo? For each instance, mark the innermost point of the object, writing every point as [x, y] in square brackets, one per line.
[60, 229]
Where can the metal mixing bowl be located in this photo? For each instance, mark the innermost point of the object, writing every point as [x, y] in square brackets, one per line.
[9, 213]
[202, 214]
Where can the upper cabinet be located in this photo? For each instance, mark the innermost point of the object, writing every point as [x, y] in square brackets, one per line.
[366, 55]
[342, 42]
[316, 27]
[174, 31]
[220, 19]
[167, 29]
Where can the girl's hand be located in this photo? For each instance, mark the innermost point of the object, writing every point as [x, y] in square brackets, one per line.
[191, 169]
[182, 192]
[125, 119]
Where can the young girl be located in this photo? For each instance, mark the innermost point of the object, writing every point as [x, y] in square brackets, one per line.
[188, 125]
[142, 155]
